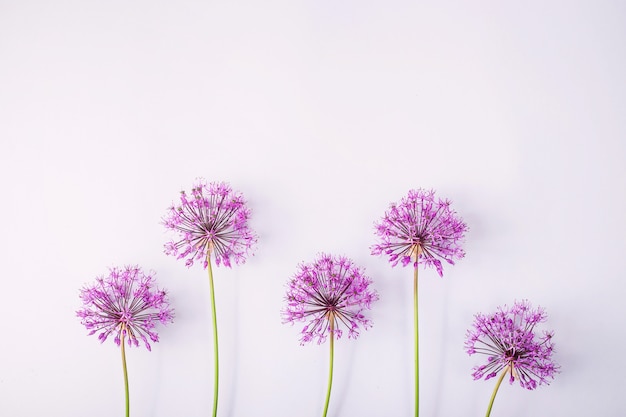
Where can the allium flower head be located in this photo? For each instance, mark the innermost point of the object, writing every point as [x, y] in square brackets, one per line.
[211, 220]
[509, 340]
[420, 228]
[126, 302]
[331, 289]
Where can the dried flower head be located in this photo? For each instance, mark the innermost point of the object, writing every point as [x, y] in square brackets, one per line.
[508, 339]
[329, 292]
[212, 220]
[125, 303]
[420, 228]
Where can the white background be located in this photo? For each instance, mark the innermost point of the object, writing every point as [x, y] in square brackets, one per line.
[321, 113]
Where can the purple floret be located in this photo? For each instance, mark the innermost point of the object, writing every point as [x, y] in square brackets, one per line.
[212, 220]
[329, 289]
[125, 303]
[421, 229]
[510, 341]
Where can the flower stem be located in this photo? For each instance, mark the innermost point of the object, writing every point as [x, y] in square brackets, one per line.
[215, 349]
[332, 354]
[416, 330]
[123, 349]
[495, 391]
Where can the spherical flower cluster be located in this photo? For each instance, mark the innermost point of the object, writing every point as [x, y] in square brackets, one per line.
[212, 220]
[126, 304]
[420, 228]
[329, 292]
[508, 339]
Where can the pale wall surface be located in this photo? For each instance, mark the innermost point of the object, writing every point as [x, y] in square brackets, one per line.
[321, 113]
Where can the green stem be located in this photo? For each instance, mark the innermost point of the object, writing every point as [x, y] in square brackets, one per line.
[416, 330]
[215, 349]
[125, 371]
[495, 391]
[332, 354]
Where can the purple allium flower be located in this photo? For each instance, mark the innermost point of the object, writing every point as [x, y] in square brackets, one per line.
[127, 304]
[213, 219]
[329, 289]
[508, 339]
[420, 228]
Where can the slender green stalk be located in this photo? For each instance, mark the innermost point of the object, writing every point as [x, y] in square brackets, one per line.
[332, 354]
[495, 391]
[125, 370]
[416, 330]
[215, 349]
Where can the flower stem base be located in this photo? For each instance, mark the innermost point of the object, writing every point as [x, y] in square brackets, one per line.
[215, 344]
[495, 390]
[126, 391]
[416, 331]
[332, 354]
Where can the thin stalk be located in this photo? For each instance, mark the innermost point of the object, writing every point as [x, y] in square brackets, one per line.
[123, 349]
[416, 331]
[495, 391]
[215, 348]
[332, 354]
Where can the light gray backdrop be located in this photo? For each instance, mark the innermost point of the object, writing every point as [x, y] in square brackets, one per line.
[321, 113]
